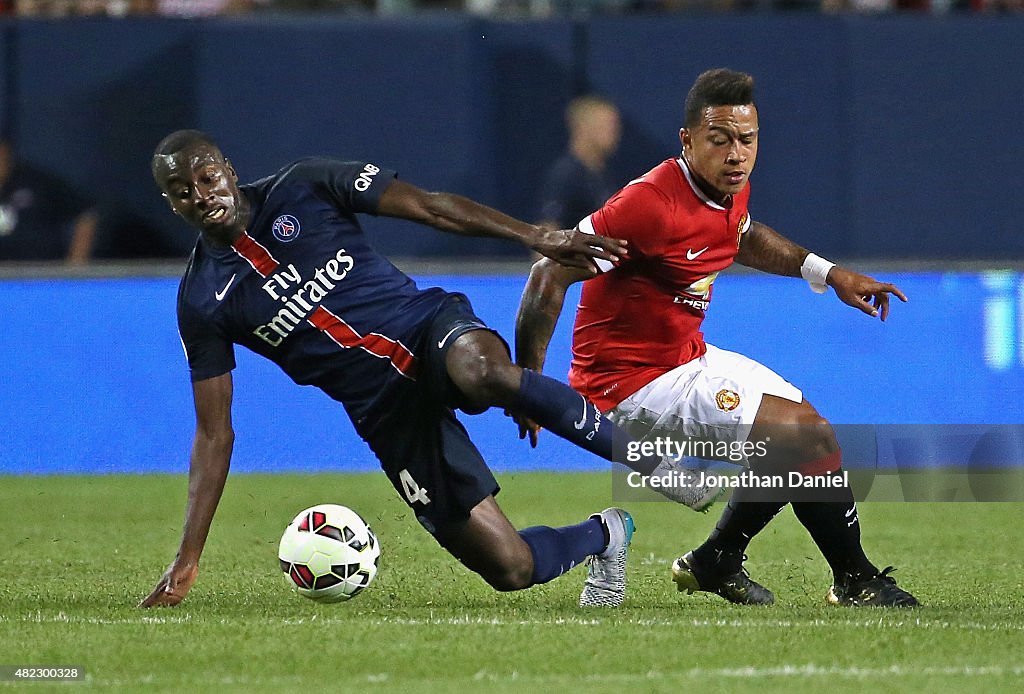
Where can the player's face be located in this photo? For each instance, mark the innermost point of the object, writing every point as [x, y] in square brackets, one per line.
[202, 187]
[723, 148]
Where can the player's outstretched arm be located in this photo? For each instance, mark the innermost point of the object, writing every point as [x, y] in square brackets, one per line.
[208, 469]
[765, 249]
[539, 309]
[460, 215]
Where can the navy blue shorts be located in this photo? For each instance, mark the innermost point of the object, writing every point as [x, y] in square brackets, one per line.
[422, 447]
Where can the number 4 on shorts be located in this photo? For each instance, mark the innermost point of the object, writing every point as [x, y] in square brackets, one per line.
[413, 492]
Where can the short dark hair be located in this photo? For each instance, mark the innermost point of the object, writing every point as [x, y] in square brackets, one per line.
[181, 139]
[718, 87]
[177, 141]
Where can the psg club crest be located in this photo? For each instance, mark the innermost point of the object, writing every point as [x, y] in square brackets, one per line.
[286, 228]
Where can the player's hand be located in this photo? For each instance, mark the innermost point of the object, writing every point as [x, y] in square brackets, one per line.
[173, 586]
[863, 292]
[527, 427]
[577, 250]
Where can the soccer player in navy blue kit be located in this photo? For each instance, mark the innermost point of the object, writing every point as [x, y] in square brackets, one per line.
[283, 268]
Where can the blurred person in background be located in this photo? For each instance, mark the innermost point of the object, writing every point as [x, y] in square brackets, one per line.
[579, 182]
[201, 8]
[42, 217]
[82, 8]
[123, 8]
[356, 6]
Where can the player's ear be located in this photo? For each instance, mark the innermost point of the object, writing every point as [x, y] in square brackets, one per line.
[684, 137]
[167, 199]
[231, 169]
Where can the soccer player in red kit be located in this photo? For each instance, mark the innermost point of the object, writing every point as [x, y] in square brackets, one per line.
[639, 355]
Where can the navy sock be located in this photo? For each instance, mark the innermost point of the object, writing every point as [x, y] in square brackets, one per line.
[564, 412]
[556, 550]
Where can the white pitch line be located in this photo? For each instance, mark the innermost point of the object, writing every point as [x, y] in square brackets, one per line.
[879, 623]
[61, 617]
[740, 623]
[791, 671]
[807, 670]
[811, 670]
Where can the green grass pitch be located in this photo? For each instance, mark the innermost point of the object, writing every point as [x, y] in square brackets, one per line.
[81, 552]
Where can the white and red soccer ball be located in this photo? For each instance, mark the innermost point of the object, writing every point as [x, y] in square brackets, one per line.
[328, 553]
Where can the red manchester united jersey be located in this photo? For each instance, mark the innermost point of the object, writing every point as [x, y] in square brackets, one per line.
[642, 318]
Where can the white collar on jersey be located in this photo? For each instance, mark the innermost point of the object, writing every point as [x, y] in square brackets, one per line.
[685, 166]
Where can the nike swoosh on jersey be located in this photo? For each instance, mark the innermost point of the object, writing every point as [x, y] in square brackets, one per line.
[223, 292]
[444, 339]
[690, 255]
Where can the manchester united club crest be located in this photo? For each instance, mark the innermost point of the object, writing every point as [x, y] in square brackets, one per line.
[727, 400]
[285, 228]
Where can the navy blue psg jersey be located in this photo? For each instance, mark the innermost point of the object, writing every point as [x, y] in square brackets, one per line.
[304, 288]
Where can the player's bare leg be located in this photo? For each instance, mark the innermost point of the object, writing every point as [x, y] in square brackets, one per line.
[488, 544]
[803, 441]
[507, 559]
[479, 365]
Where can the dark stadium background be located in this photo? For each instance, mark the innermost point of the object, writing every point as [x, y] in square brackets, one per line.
[891, 142]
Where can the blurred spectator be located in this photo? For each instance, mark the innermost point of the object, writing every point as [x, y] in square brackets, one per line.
[503, 8]
[201, 8]
[41, 217]
[383, 6]
[122, 8]
[997, 5]
[578, 183]
[859, 6]
[546, 8]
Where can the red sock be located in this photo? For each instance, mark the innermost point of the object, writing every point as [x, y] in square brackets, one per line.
[822, 466]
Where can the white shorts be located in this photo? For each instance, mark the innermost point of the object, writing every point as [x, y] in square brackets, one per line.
[713, 398]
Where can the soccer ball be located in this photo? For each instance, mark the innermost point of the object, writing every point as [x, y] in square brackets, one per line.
[328, 553]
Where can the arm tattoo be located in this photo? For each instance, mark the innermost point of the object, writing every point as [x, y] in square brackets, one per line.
[763, 248]
[539, 309]
[538, 314]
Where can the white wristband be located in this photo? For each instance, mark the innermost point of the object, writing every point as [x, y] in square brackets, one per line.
[815, 270]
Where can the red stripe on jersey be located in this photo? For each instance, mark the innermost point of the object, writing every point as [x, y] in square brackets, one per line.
[378, 345]
[255, 254]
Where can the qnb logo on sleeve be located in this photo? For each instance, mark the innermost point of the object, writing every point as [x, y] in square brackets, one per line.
[286, 228]
[365, 178]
